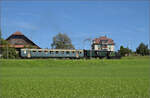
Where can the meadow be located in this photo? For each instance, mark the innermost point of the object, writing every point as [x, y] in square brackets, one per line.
[128, 77]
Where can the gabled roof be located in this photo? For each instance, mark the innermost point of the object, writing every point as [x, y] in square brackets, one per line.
[103, 38]
[19, 34]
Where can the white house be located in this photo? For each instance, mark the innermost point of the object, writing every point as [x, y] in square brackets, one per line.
[103, 43]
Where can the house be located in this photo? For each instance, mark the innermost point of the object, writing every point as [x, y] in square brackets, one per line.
[103, 43]
[17, 40]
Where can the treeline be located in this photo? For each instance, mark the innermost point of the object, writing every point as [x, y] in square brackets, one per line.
[141, 50]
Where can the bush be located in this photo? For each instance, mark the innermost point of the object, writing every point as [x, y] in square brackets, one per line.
[124, 51]
[5, 52]
[10, 53]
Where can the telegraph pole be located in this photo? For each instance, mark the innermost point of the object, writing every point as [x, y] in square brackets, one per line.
[7, 51]
[0, 31]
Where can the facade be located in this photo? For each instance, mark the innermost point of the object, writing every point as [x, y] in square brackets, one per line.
[103, 44]
[18, 40]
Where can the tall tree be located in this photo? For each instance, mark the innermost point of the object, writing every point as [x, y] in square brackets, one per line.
[62, 41]
[142, 49]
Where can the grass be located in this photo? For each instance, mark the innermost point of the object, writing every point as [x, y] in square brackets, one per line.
[49, 78]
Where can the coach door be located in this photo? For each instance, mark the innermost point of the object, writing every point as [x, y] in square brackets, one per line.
[29, 54]
[77, 54]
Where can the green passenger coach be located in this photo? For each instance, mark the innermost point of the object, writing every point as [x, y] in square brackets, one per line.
[51, 53]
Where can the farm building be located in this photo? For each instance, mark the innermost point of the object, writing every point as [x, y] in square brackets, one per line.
[103, 43]
[17, 40]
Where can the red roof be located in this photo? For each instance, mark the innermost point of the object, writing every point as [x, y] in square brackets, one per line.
[17, 33]
[103, 38]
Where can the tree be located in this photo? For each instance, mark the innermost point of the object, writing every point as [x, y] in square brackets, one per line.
[125, 51]
[142, 49]
[0, 42]
[62, 41]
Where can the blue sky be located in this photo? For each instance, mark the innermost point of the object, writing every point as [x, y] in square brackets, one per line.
[126, 22]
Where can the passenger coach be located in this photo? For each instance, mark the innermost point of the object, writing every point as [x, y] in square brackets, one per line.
[51, 53]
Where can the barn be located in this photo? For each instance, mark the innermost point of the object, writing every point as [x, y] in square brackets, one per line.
[18, 40]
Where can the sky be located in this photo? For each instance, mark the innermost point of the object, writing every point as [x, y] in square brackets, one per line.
[126, 22]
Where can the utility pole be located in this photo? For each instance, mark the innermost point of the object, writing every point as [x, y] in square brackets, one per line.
[83, 44]
[0, 31]
[7, 50]
[149, 42]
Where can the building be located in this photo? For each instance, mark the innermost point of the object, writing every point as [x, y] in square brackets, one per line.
[17, 40]
[103, 43]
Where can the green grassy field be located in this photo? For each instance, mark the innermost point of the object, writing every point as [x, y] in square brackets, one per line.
[50, 78]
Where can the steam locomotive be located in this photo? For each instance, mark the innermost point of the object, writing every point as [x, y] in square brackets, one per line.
[68, 53]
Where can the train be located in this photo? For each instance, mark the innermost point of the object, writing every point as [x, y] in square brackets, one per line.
[68, 53]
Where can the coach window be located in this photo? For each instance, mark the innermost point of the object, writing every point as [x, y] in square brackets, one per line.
[25, 52]
[72, 51]
[62, 52]
[34, 51]
[56, 52]
[45, 51]
[67, 52]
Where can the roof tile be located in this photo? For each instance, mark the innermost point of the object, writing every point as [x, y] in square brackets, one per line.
[17, 33]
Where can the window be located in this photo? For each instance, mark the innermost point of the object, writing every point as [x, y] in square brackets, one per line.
[34, 51]
[67, 52]
[45, 51]
[51, 52]
[72, 51]
[80, 52]
[40, 50]
[56, 52]
[104, 41]
[62, 52]
[25, 52]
